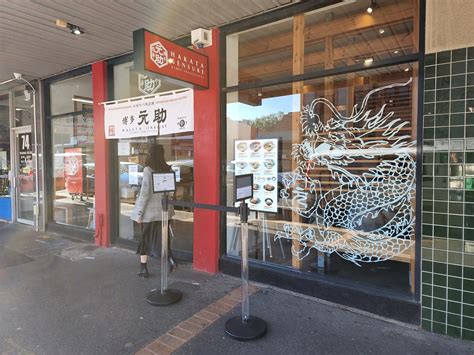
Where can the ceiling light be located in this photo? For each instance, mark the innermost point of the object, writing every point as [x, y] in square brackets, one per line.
[381, 31]
[372, 6]
[75, 30]
[406, 69]
[368, 61]
[396, 51]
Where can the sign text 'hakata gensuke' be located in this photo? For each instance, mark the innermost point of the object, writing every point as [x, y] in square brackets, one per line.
[176, 63]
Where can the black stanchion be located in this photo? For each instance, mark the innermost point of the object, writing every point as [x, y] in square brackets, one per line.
[164, 296]
[245, 327]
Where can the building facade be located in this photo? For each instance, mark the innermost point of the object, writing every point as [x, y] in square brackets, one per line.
[358, 131]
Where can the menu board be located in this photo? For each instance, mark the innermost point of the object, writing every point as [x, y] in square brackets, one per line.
[164, 182]
[260, 158]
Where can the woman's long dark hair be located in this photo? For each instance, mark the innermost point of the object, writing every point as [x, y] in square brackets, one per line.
[156, 159]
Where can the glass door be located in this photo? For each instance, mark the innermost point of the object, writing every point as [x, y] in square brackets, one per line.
[5, 189]
[24, 175]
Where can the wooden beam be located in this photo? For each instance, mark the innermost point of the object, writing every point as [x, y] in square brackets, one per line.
[348, 53]
[391, 13]
[297, 91]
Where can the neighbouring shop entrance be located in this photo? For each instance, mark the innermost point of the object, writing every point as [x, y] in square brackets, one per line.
[23, 176]
[17, 172]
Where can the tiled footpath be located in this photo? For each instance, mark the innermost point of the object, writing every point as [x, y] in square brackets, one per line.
[184, 331]
[59, 296]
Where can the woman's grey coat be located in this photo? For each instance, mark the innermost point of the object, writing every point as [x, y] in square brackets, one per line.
[148, 205]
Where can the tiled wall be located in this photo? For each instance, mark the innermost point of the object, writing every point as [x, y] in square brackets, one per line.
[448, 194]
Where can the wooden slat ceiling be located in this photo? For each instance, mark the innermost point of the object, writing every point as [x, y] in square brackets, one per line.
[30, 42]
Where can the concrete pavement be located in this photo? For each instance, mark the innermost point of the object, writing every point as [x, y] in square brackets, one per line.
[63, 296]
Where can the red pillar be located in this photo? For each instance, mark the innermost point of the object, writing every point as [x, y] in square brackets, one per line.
[207, 164]
[101, 156]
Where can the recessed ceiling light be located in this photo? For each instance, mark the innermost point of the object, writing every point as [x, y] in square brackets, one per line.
[406, 69]
[396, 51]
[368, 61]
[381, 31]
[372, 6]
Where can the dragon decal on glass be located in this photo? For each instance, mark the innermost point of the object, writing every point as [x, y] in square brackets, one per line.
[366, 214]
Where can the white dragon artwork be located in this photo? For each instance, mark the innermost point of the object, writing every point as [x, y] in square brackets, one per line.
[367, 217]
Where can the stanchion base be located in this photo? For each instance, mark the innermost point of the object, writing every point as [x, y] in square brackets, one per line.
[169, 297]
[252, 329]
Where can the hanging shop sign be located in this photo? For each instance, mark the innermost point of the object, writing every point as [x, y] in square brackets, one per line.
[260, 158]
[166, 113]
[178, 64]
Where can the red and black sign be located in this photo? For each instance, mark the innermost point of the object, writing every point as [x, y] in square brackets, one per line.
[178, 64]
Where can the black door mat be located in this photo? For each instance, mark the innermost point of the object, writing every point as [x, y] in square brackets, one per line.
[9, 258]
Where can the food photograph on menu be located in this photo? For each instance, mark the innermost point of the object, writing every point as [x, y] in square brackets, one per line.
[260, 158]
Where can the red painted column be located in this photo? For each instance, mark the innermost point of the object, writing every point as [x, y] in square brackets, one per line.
[101, 156]
[207, 164]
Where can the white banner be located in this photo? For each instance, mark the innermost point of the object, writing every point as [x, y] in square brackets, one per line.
[159, 115]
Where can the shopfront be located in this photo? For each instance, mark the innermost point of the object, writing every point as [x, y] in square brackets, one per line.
[321, 104]
[361, 147]
[322, 107]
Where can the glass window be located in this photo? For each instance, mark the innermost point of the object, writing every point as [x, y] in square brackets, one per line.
[23, 106]
[341, 35]
[260, 53]
[132, 153]
[72, 146]
[346, 34]
[346, 174]
[70, 95]
[5, 189]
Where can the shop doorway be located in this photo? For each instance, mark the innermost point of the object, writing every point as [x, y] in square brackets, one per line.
[23, 175]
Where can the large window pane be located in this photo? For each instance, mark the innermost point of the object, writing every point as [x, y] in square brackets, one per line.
[337, 36]
[72, 147]
[73, 167]
[346, 34]
[70, 95]
[346, 178]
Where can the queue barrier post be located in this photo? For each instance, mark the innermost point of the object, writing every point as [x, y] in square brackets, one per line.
[164, 296]
[245, 327]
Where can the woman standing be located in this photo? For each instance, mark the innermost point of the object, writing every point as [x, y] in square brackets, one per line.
[148, 210]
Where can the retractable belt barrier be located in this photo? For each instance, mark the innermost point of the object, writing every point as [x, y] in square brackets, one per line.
[244, 327]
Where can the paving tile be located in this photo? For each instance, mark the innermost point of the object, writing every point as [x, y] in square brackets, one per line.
[182, 334]
[171, 341]
[157, 347]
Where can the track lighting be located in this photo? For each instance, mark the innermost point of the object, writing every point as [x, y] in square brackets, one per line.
[75, 30]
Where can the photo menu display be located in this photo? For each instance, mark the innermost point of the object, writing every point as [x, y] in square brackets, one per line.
[260, 158]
